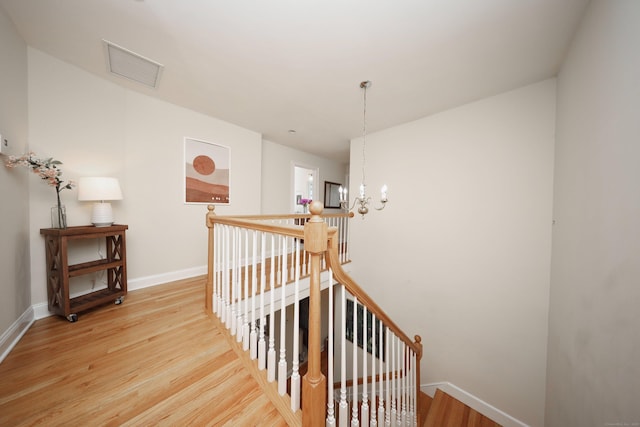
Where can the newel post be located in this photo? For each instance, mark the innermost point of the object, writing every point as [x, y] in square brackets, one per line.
[314, 387]
[208, 291]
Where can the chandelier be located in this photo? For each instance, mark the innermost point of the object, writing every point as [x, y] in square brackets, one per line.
[362, 201]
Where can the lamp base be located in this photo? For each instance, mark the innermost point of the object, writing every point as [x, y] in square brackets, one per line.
[102, 214]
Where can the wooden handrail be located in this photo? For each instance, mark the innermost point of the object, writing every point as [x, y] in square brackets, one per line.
[287, 216]
[296, 231]
[355, 290]
[257, 222]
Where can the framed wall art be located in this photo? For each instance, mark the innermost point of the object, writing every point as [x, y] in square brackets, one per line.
[379, 338]
[332, 195]
[207, 169]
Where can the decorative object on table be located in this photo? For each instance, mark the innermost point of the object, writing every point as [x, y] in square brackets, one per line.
[59, 216]
[48, 170]
[305, 204]
[363, 200]
[100, 190]
[206, 172]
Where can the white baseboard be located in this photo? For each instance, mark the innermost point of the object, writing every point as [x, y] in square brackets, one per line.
[11, 336]
[473, 402]
[158, 279]
[41, 310]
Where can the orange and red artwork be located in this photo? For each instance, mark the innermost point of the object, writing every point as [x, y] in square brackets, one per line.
[206, 172]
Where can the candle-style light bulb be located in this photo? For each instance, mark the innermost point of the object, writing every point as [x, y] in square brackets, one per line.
[362, 191]
[383, 193]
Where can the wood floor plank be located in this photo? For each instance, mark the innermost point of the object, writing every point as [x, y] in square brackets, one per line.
[447, 411]
[157, 359]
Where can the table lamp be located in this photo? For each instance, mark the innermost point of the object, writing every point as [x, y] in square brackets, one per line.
[101, 190]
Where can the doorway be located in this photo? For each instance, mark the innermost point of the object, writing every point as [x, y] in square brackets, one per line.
[305, 186]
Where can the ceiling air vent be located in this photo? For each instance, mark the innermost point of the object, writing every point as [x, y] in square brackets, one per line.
[124, 63]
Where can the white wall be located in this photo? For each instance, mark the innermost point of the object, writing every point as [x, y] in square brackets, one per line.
[98, 128]
[461, 253]
[593, 376]
[277, 178]
[14, 191]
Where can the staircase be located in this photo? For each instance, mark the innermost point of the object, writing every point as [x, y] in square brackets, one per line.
[259, 269]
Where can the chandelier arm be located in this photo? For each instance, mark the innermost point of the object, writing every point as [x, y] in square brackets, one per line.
[344, 204]
[384, 203]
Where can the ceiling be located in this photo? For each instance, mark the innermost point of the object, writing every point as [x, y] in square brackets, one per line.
[278, 65]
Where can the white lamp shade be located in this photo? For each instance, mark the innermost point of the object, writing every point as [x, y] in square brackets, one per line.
[99, 188]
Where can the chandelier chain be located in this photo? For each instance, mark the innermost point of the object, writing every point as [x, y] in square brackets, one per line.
[364, 131]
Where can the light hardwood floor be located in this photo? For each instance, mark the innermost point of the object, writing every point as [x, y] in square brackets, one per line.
[157, 359]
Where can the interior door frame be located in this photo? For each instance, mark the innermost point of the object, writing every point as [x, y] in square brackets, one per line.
[315, 189]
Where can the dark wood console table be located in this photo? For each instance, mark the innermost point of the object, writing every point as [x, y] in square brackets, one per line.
[59, 271]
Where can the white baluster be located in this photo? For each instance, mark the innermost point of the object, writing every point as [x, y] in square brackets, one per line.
[279, 259]
[219, 255]
[347, 237]
[305, 261]
[364, 410]
[394, 370]
[227, 279]
[374, 419]
[398, 383]
[340, 225]
[243, 325]
[282, 365]
[216, 254]
[223, 273]
[354, 403]
[234, 282]
[331, 420]
[292, 263]
[344, 407]
[253, 339]
[271, 354]
[381, 353]
[295, 357]
[387, 419]
[263, 286]
[403, 381]
[414, 388]
[340, 242]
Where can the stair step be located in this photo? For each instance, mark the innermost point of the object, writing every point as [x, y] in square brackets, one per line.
[424, 404]
[447, 411]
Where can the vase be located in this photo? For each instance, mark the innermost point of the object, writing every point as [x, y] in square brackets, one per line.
[58, 217]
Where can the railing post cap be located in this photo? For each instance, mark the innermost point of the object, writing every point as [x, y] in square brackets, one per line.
[315, 230]
[210, 215]
[316, 207]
